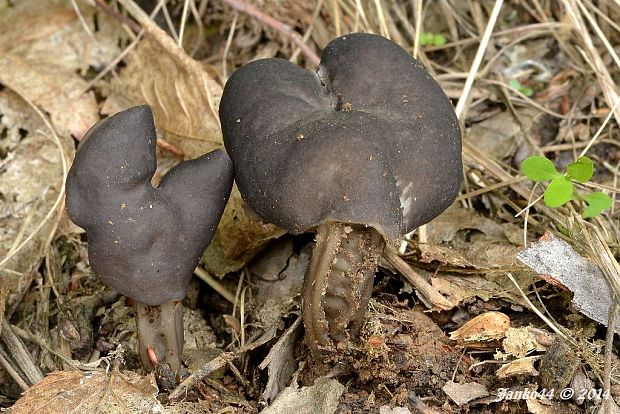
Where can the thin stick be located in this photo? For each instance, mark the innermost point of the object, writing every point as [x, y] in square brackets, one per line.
[229, 39]
[101, 4]
[183, 22]
[315, 16]
[336, 10]
[489, 188]
[215, 364]
[428, 293]
[529, 205]
[169, 23]
[478, 59]
[214, 284]
[418, 28]
[11, 371]
[128, 49]
[84, 24]
[600, 130]
[536, 311]
[20, 354]
[609, 343]
[384, 30]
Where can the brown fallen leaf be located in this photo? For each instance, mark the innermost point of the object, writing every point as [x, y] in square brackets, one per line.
[460, 288]
[93, 392]
[183, 96]
[29, 211]
[320, 398]
[484, 328]
[40, 63]
[238, 238]
[56, 91]
[463, 393]
[521, 366]
[57, 35]
[281, 362]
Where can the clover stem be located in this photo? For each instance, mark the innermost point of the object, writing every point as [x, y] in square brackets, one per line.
[160, 328]
[338, 283]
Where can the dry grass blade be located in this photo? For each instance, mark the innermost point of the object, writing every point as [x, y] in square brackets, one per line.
[463, 100]
[592, 55]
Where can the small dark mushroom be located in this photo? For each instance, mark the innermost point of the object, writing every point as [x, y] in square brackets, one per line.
[365, 150]
[144, 241]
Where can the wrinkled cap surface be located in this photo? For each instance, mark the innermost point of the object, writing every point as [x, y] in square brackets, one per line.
[143, 241]
[369, 139]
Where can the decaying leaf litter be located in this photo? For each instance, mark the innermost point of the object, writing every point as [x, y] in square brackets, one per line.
[77, 62]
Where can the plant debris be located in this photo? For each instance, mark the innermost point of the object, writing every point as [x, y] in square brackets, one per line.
[483, 310]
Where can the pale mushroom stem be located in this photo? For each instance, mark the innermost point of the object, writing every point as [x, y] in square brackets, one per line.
[161, 329]
[338, 283]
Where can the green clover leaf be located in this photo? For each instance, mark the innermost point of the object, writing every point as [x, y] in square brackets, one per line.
[581, 170]
[558, 192]
[539, 168]
[597, 202]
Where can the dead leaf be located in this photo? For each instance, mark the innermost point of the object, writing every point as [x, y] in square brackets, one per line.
[94, 392]
[56, 35]
[487, 327]
[543, 406]
[281, 362]
[561, 264]
[460, 288]
[429, 253]
[278, 276]
[521, 341]
[238, 238]
[521, 366]
[499, 135]
[41, 64]
[463, 393]
[558, 365]
[320, 398]
[58, 92]
[457, 219]
[33, 160]
[184, 98]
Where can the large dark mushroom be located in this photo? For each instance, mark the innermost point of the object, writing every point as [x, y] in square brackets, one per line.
[364, 150]
[144, 241]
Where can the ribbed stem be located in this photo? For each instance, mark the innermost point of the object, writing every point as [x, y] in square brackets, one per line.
[338, 283]
[161, 329]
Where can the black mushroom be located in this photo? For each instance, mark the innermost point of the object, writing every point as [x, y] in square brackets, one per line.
[364, 150]
[144, 241]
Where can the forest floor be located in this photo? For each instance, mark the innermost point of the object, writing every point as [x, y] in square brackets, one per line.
[515, 295]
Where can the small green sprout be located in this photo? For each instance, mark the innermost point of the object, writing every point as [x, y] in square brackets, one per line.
[432, 39]
[561, 189]
[525, 90]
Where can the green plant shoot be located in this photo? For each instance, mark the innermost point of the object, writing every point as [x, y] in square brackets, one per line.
[432, 39]
[525, 90]
[560, 189]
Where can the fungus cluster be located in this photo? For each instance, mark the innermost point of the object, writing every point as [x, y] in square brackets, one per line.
[144, 241]
[362, 151]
